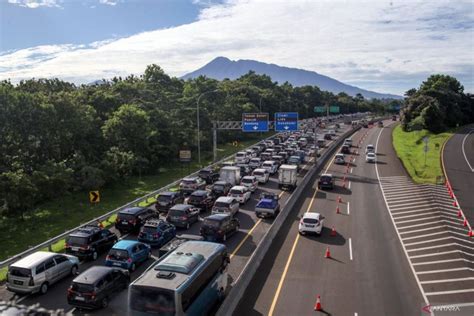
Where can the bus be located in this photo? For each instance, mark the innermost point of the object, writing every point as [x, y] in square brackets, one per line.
[190, 280]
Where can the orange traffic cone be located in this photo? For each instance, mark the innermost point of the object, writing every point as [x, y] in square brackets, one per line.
[339, 199]
[333, 232]
[451, 194]
[470, 234]
[317, 306]
[464, 223]
[344, 184]
[459, 213]
[337, 210]
[455, 204]
[328, 253]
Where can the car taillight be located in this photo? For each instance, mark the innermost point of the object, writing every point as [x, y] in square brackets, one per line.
[108, 257]
[183, 218]
[69, 291]
[301, 222]
[85, 247]
[93, 295]
[31, 283]
[220, 232]
[241, 195]
[66, 245]
[156, 235]
[132, 221]
[129, 260]
[117, 219]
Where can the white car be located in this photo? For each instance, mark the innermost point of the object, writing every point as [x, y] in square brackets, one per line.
[255, 163]
[271, 166]
[250, 182]
[370, 157]
[339, 159]
[370, 149]
[240, 193]
[261, 175]
[242, 157]
[311, 223]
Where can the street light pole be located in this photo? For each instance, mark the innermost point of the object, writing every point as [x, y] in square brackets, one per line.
[198, 125]
[260, 103]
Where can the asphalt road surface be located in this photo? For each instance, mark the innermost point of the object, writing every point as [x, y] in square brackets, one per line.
[241, 246]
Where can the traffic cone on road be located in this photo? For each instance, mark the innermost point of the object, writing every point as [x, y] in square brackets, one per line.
[455, 204]
[344, 183]
[470, 234]
[337, 210]
[333, 232]
[464, 223]
[339, 199]
[317, 306]
[451, 194]
[459, 213]
[328, 253]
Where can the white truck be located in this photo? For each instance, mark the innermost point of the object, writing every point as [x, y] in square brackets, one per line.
[230, 174]
[287, 176]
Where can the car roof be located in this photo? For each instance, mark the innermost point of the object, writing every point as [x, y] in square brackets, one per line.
[217, 217]
[238, 187]
[190, 179]
[169, 193]
[370, 154]
[125, 244]
[260, 170]
[312, 215]
[180, 207]
[199, 193]
[131, 210]
[339, 155]
[93, 274]
[326, 175]
[33, 259]
[225, 199]
[221, 182]
[249, 177]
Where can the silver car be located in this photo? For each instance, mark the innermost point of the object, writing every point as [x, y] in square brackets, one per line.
[38, 271]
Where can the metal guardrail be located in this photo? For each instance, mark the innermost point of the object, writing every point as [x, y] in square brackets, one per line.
[48, 243]
[238, 290]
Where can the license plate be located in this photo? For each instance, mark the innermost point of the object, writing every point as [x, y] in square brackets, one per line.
[80, 298]
[17, 282]
[309, 225]
[124, 223]
[117, 264]
[74, 248]
[175, 218]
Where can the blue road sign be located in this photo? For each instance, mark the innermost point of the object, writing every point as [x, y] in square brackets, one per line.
[255, 122]
[286, 121]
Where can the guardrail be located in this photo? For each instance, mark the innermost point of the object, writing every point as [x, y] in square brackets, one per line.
[48, 243]
[241, 284]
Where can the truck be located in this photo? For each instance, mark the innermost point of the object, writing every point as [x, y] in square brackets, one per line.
[287, 176]
[268, 205]
[230, 174]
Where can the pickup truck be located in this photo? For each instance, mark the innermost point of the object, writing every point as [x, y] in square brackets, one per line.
[268, 205]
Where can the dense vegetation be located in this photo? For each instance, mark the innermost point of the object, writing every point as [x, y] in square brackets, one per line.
[56, 137]
[439, 104]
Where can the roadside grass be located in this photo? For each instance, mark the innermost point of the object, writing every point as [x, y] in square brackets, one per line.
[410, 149]
[66, 212]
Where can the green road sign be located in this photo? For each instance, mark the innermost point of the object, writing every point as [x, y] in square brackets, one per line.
[334, 109]
[319, 109]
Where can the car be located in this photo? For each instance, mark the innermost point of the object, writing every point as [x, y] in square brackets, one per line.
[167, 199]
[220, 188]
[271, 166]
[218, 227]
[38, 271]
[251, 153]
[332, 132]
[380, 123]
[311, 223]
[370, 157]
[348, 142]
[94, 287]
[328, 136]
[255, 163]
[191, 184]
[268, 205]
[345, 149]
[244, 169]
[226, 205]
[258, 149]
[156, 232]
[321, 142]
[326, 181]
[285, 156]
[250, 182]
[278, 159]
[301, 154]
[132, 218]
[339, 159]
[242, 157]
[262, 175]
[128, 254]
[370, 149]
[201, 199]
[209, 175]
[394, 118]
[175, 242]
[89, 241]
[240, 193]
[183, 215]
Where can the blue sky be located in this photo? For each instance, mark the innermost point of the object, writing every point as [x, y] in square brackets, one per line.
[380, 45]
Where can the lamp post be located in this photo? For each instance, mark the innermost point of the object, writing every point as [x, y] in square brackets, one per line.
[197, 118]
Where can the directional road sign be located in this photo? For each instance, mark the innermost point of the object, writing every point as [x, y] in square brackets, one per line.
[286, 121]
[319, 109]
[94, 196]
[334, 109]
[255, 122]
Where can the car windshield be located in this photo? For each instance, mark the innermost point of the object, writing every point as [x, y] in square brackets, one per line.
[204, 172]
[75, 240]
[244, 180]
[218, 187]
[187, 182]
[240, 155]
[149, 229]
[325, 178]
[118, 254]
[20, 272]
[164, 198]
[258, 173]
[83, 288]
[211, 223]
[235, 191]
[126, 217]
[154, 301]
[310, 220]
[176, 212]
[196, 198]
[221, 204]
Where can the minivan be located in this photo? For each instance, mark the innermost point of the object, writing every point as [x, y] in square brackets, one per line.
[226, 205]
[38, 271]
[131, 219]
[271, 166]
[218, 227]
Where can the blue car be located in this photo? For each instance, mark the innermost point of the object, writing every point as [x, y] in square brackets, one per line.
[157, 232]
[127, 254]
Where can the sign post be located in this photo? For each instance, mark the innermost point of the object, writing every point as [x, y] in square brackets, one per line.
[425, 148]
[255, 122]
[286, 121]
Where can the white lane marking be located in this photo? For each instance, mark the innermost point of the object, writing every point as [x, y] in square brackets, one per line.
[72, 310]
[348, 208]
[413, 211]
[446, 213]
[417, 197]
[449, 227]
[451, 292]
[447, 220]
[464, 153]
[447, 280]
[428, 235]
[350, 248]
[124, 236]
[445, 270]
[433, 240]
[420, 287]
[421, 219]
[21, 299]
[355, 314]
[349, 185]
[442, 253]
[441, 261]
[352, 169]
[404, 206]
[455, 244]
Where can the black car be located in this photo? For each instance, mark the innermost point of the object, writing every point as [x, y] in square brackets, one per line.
[327, 136]
[88, 241]
[221, 188]
[245, 170]
[345, 149]
[218, 227]
[209, 175]
[183, 215]
[131, 219]
[156, 232]
[166, 200]
[326, 181]
[94, 287]
[201, 199]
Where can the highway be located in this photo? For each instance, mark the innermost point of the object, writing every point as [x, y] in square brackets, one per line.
[458, 157]
[241, 246]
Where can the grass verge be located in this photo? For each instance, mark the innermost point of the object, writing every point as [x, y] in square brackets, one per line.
[410, 149]
[57, 216]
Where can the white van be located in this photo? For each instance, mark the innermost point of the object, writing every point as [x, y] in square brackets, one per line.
[230, 174]
[242, 157]
[271, 166]
[261, 174]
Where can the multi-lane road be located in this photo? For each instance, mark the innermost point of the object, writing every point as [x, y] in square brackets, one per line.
[241, 246]
[398, 248]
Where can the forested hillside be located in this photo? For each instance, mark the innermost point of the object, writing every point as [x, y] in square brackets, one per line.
[56, 137]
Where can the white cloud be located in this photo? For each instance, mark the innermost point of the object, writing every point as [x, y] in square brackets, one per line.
[33, 4]
[380, 45]
[109, 2]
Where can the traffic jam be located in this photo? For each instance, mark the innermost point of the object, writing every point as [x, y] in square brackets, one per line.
[222, 205]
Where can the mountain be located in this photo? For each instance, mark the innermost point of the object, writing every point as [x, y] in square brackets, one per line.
[222, 67]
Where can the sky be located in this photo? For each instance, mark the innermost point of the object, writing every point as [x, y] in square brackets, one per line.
[384, 46]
